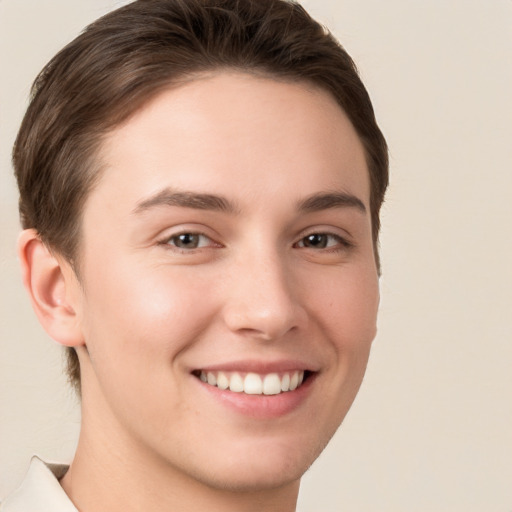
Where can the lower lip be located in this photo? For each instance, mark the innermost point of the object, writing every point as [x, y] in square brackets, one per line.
[262, 406]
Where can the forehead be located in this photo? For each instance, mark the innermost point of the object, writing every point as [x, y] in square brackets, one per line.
[232, 129]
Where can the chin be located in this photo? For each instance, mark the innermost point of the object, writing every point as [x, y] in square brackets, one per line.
[262, 468]
[255, 478]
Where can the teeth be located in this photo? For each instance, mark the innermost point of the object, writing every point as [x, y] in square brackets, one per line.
[271, 384]
[236, 383]
[294, 381]
[285, 382]
[222, 381]
[254, 384]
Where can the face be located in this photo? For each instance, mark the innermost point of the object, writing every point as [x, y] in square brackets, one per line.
[229, 290]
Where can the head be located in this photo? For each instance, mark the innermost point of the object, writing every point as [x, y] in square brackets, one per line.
[142, 56]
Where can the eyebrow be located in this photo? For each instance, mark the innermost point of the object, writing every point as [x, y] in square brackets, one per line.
[328, 200]
[202, 201]
[198, 201]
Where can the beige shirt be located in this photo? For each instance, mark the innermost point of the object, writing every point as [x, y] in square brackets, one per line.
[40, 491]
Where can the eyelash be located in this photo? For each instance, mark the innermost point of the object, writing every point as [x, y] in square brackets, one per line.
[340, 245]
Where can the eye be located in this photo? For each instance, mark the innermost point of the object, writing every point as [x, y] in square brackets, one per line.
[322, 241]
[189, 241]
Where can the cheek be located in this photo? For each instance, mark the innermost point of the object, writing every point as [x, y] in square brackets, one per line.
[347, 306]
[348, 316]
[142, 314]
[137, 324]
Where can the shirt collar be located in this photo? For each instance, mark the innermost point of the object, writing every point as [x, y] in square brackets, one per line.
[40, 491]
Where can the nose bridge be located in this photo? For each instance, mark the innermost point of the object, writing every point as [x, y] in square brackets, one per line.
[262, 301]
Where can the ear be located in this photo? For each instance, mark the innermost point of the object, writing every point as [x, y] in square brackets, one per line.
[53, 289]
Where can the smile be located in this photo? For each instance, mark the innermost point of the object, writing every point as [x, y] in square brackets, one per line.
[254, 383]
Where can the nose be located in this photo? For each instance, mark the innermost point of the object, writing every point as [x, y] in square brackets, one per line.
[263, 300]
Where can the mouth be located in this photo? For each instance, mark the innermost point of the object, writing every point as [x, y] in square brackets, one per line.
[251, 383]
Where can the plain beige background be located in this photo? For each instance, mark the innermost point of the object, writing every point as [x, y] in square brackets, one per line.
[432, 427]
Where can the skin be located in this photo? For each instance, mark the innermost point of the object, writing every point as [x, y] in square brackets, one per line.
[147, 314]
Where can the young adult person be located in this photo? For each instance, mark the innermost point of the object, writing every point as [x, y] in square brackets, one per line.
[200, 184]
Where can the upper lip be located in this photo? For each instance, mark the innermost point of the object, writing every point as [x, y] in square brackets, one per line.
[261, 367]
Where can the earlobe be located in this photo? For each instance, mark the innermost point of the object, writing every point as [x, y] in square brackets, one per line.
[50, 283]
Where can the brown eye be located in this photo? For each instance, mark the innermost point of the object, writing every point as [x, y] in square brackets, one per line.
[322, 241]
[189, 241]
[316, 240]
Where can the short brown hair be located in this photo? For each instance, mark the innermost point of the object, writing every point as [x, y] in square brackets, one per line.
[126, 57]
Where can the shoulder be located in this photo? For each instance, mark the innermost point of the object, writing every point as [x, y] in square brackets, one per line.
[40, 490]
